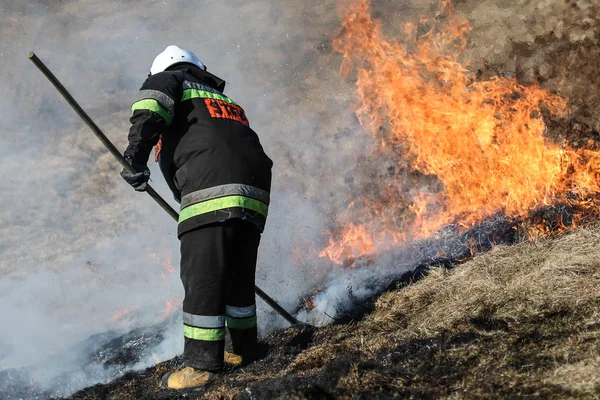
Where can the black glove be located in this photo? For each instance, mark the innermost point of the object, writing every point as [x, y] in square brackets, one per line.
[139, 180]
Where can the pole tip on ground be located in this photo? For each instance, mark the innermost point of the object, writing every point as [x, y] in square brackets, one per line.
[31, 54]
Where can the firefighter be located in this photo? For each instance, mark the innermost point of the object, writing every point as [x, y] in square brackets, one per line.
[217, 170]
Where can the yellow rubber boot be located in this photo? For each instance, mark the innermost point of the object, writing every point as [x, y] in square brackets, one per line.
[233, 359]
[187, 378]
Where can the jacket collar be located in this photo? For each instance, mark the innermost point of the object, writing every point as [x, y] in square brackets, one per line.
[205, 76]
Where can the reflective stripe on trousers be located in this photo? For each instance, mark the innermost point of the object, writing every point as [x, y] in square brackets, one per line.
[203, 327]
[210, 328]
[241, 317]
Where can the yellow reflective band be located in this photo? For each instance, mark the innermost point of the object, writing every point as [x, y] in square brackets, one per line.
[154, 106]
[203, 94]
[205, 334]
[223, 203]
[241, 323]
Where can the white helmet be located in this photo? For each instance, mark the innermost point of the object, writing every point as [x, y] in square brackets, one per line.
[174, 55]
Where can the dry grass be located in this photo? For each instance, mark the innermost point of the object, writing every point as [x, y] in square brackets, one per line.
[515, 322]
[519, 321]
[510, 284]
[529, 314]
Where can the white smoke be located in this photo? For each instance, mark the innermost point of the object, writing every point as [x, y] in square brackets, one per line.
[75, 255]
[288, 263]
[348, 288]
[104, 288]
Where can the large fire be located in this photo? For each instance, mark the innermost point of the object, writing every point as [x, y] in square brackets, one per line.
[480, 145]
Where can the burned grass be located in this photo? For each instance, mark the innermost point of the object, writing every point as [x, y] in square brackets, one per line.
[518, 321]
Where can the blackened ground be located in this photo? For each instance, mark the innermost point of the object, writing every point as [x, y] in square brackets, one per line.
[108, 354]
[421, 368]
[279, 349]
[518, 321]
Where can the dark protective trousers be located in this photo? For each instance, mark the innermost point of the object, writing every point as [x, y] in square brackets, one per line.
[218, 265]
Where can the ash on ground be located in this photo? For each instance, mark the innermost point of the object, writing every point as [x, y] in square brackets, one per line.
[108, 355]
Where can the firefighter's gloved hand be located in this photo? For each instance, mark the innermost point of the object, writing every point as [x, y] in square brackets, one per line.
[140, 179]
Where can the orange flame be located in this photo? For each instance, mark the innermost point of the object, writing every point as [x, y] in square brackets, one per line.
[126, 317]
[481, 142]
[166, 262]
[171, 307]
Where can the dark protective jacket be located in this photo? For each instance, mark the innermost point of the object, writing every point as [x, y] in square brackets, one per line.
[210, 157]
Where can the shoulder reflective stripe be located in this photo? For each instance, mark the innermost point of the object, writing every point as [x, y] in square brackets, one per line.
[191, 332]
[204, 94]
[241, 323]
[164, 100]
[194, 85]
[225, 190]
[223, 203]
[204, 321]
[240, 312]
[154, 106]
